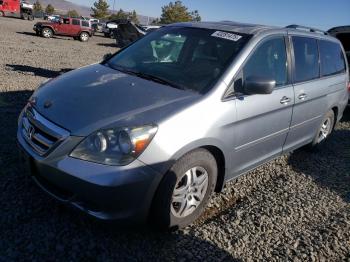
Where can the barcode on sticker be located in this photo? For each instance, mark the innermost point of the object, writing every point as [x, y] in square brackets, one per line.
[228, 36]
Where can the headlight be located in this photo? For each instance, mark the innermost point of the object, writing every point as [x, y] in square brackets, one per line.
[119, 146]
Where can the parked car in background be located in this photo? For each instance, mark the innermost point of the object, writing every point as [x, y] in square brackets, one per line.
[109, 26]
[342, 33]
[74, 27]
[154, 130]
[16, 8]
[52, 18]
[99, 27]
[127, 32]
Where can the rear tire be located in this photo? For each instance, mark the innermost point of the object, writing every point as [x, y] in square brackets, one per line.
[25, 16]
[84, 37]
[1, 14]
[324, 131]
[184, 191]
[31, 17]
[47, 32]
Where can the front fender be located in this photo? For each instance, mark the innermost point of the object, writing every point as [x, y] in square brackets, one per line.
[164, 165]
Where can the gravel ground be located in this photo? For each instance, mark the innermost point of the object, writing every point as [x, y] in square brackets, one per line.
[294, 208]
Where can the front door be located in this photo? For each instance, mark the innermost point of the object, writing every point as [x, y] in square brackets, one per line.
[63, 28]
[263, 120]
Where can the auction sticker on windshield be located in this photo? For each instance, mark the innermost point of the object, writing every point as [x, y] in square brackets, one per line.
[226, 35]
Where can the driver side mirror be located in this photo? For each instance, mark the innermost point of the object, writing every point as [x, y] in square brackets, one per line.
[258, 85]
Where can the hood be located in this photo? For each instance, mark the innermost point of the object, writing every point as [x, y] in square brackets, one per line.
[87, 99]
[44, 23]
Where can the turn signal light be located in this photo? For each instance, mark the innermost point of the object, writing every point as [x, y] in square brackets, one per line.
[349, 87]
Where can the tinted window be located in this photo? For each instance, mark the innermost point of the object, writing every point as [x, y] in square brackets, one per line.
[269, 60]
[306, 58]
[75, 22]
[66, 21]
[85, 23]
[332, 58]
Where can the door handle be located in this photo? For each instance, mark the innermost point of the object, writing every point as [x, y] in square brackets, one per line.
[302, 96]
[285, 100]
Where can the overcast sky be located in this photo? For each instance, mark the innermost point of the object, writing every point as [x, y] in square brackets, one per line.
[318, 13]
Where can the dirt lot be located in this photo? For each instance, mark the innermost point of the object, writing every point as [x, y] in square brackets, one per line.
[294, 208]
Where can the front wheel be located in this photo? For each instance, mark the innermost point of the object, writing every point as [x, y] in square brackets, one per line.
[324, 130]
[47, 33]
[185, 190]
[84, 37]
[1, 14]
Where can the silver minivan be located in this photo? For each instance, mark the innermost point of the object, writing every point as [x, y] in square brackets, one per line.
[151, 132]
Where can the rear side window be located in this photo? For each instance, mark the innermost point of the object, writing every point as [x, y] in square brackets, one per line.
[332, 58]
[269, 60]
[75, 22]
[306, 59]
[85, 23]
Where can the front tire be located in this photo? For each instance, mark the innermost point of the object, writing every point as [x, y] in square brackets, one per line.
[324, 131]
[47, 32]
[184, 191]
[84, 37]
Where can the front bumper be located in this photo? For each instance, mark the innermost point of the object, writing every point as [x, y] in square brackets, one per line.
[105, 192]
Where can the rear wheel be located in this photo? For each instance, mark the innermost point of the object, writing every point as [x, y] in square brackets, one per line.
[324, 130]
[31, 17]
[25, 16]
[1, 14]
[47, 32]
[84, 37]
[185, 190]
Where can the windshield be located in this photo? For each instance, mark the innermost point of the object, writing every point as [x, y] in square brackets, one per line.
[186, 58]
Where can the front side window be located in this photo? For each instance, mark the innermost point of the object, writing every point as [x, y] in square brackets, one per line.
[306, 59]
[66, 21]
[269, 60]
[332, 58]
[186, 58]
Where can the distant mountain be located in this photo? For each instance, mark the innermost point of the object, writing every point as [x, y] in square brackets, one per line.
[62, 6]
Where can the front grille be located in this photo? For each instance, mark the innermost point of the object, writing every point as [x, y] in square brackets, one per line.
[42, 135]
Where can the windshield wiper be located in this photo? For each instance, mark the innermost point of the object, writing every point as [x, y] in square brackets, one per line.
[158, 80]
[146, 76]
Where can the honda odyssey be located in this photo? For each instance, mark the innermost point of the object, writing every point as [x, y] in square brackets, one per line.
[152, 131]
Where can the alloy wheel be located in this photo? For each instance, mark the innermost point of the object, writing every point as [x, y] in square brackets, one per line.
[47, 33]
[324, 130]
[84, 37]
[189, 192]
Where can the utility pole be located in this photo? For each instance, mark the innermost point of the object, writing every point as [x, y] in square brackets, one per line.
[113, 6]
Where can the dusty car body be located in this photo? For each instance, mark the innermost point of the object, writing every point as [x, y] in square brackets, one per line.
[151, 132]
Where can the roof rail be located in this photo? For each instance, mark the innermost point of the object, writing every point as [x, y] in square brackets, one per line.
[311, 29]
